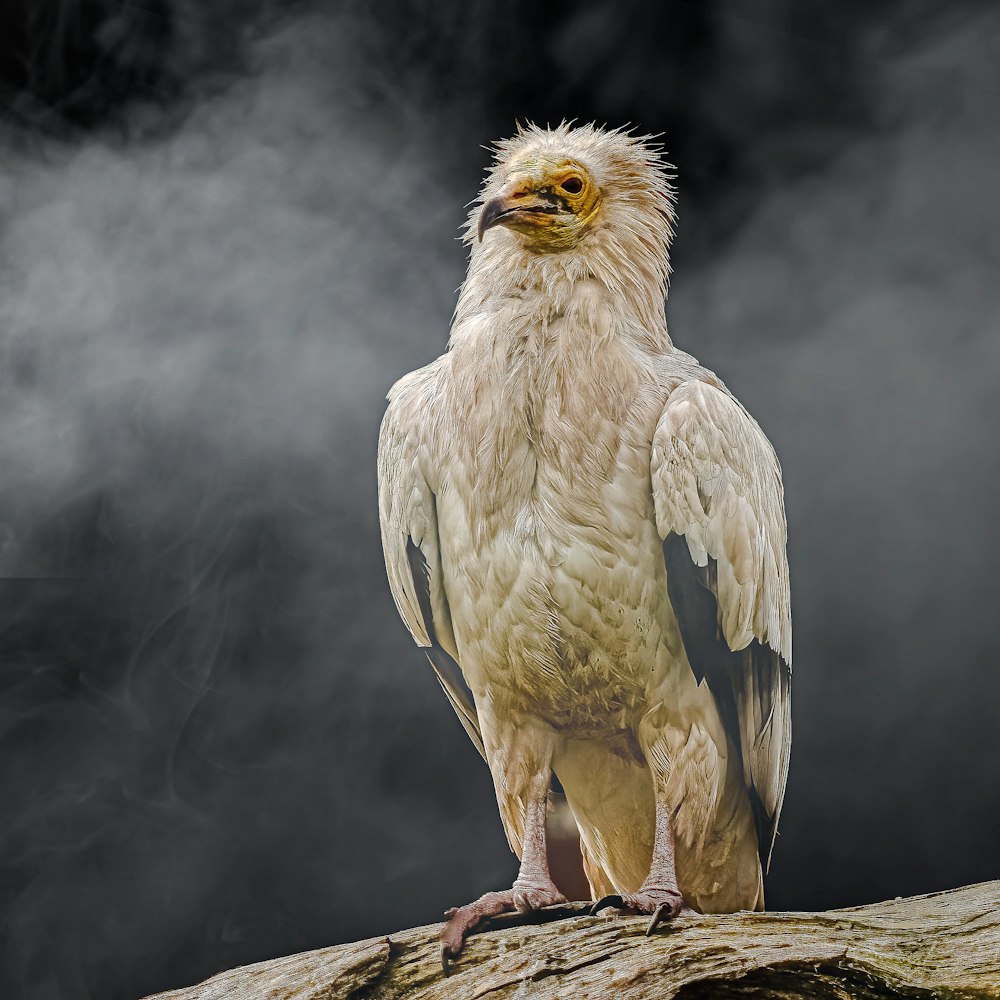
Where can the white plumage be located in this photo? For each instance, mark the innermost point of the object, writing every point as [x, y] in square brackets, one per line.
[586, 531]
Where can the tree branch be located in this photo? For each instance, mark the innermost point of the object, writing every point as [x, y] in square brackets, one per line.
[946, 944]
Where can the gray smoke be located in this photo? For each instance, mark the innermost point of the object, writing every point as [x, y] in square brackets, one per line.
[198, 334]
[217, 743]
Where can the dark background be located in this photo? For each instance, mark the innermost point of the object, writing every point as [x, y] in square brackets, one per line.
[224, 234]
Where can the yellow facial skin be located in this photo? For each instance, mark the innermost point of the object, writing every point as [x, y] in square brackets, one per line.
[549, 204]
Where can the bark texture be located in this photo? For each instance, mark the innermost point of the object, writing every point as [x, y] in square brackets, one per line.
[942, 945]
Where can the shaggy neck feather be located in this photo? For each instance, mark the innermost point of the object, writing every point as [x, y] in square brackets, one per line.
[536, 288]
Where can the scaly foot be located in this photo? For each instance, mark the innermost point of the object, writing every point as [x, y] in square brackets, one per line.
[661, 904]
[462, 920]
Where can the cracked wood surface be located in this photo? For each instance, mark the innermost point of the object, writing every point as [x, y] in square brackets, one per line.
[945, 944]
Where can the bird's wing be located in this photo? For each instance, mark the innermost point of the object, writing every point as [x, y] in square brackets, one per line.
[408, 516]
[719, 508]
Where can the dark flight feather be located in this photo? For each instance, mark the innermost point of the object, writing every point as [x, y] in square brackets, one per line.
[448, 672]
[746, 684]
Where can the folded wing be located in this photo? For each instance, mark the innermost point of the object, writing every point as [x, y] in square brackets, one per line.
[719, 509]
[408, 517]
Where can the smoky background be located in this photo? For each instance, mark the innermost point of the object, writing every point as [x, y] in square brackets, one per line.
[224, 233]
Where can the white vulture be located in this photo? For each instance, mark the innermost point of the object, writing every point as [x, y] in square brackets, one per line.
[585, 530]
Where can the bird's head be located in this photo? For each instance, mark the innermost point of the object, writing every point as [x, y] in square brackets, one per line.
[565, 189]
[548, 198]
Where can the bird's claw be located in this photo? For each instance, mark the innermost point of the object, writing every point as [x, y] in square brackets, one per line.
[453, 936]
[663, 910]
[604, 902]
[460, 921]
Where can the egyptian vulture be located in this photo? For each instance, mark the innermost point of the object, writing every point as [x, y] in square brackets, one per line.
[585, 531]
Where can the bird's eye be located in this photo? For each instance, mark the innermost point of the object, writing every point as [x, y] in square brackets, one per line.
[572, 185]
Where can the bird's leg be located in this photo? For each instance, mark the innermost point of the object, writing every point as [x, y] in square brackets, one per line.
[533, 888]
[659, 895]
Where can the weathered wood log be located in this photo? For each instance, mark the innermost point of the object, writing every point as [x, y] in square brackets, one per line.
[946, 944]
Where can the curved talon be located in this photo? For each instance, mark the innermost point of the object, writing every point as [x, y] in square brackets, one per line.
[602, 904]
[658, 914]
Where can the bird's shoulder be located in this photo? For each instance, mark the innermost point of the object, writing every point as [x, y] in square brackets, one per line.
[697, 400]
[414, 400]
[417, 387]
[407, 435]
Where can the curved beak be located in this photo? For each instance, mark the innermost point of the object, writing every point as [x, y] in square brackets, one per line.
[493, 211]
[516, 203]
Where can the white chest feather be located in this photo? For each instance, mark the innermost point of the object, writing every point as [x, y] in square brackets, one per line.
[553, 566]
